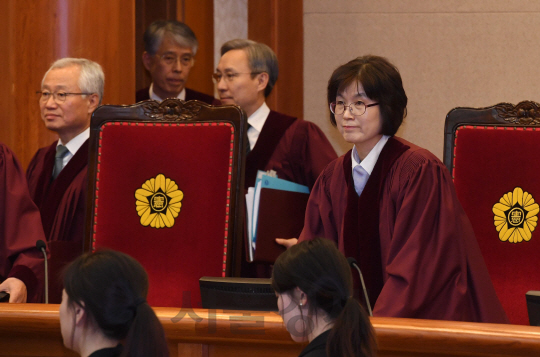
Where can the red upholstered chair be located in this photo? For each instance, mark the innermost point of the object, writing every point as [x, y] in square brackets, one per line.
[166, 185]
[492, 154]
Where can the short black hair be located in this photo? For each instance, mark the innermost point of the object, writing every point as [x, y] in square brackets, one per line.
[179, 31]
[381, 82]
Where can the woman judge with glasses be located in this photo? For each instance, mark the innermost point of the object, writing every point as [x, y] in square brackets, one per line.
[104, 305]
[392, 205]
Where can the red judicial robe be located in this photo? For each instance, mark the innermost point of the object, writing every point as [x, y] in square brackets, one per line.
[410, 235]
[191, 94]
[20, 228]
[296, 149]
[62, 202]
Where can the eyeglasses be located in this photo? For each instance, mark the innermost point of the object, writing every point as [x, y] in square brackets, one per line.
[229, 77]
[58, 97]
[357, 108]
[170, 59]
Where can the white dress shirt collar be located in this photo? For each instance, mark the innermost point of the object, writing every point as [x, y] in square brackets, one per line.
[257, 120]
[74, 145]
[371, 159]
[181, 95]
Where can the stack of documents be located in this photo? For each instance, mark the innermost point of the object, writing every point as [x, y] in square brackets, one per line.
[275, 209]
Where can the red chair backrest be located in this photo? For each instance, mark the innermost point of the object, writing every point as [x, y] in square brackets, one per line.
[165, 181]
[492, 155]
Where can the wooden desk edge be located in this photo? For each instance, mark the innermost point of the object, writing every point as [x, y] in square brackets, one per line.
[199, 326]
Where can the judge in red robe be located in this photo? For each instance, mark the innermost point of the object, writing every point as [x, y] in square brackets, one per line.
[170, 47]
[21, 263]
[57, 175]
[393, 206]
[296, 149]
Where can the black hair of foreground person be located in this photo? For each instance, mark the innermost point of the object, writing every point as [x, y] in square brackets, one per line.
[108, 289]
[317, 280]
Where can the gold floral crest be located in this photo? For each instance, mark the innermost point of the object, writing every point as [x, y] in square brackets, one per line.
[158, 202]
[516, 216]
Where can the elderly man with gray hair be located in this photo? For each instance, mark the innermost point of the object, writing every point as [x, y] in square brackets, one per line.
[57, 175]
[296, 149]
[169, 56]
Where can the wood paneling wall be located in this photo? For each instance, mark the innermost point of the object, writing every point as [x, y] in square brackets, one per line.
[36, 33]
[279, 24]
[199, 16]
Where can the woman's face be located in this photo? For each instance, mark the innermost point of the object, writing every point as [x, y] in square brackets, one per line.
[294, 317]
[364, 131]
[67, 321]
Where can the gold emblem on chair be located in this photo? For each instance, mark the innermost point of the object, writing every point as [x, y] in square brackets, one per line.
[158, 202]
[516, 216]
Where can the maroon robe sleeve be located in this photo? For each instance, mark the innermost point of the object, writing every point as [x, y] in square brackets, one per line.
[310, 151]
[20, 228]
[324, 211]
[425, 246]
[313, 149]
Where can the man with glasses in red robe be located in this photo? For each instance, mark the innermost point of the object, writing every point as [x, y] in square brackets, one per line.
[57, 175]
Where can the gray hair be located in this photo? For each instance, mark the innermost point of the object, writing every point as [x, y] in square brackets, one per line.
[261, 58]
[180, 33]
[91, 78]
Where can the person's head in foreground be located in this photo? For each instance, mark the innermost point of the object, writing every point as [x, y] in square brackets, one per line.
[367, 100]
[313, 283]
[104, 305]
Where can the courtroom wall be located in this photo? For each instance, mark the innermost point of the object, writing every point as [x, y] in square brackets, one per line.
[33, 34]
[450, 53]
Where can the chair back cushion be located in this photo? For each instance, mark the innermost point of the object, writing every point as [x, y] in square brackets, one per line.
[163, 193]
[495, 169]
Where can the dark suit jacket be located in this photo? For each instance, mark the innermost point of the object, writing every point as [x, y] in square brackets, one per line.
[191, 94]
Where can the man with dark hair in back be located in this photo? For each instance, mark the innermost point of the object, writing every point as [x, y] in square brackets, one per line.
[170, 48]
[296, 149]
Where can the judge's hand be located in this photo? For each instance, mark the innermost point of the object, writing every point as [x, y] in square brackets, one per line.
[287, 243]
[15, 288]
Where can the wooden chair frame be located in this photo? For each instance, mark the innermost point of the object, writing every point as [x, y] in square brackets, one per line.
[524, 114]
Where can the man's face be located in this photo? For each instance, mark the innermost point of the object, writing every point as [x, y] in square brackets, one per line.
[169, 67]
[236, 85]
[72, 116]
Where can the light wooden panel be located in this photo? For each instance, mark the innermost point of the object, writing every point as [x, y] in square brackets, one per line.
[199, 15]
[34, 330]
[278, 23]
[36, 33]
